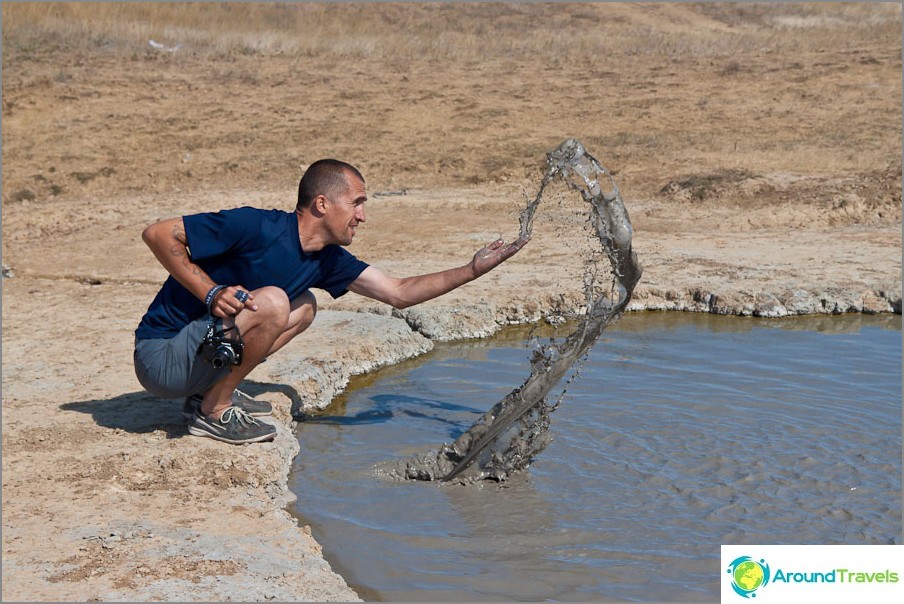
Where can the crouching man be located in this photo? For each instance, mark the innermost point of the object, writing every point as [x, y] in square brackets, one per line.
[239, 290]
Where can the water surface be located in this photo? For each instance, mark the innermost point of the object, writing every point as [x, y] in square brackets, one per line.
[682, 432]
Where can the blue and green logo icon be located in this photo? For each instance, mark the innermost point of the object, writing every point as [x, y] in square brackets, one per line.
[748, 575]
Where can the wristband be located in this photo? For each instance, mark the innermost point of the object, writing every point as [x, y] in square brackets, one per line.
[211, 295]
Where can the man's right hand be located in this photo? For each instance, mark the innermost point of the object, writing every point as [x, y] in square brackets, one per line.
[229, 301]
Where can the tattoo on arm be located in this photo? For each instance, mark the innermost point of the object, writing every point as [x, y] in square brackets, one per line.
[201, 275]
[178, 251]
[179, 232]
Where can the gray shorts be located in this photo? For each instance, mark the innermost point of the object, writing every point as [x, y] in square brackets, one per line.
[172, 367]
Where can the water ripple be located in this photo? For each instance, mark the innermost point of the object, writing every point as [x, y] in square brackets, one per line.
[676, 438]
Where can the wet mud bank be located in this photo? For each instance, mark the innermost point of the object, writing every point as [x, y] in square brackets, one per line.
[772, 304]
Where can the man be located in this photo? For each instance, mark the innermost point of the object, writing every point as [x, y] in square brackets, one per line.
[239, 290]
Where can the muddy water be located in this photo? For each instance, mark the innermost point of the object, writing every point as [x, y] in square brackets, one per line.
[508, 436]
[683, 432]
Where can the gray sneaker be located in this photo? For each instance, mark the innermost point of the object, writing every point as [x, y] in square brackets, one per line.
[234, 426]
[251, 406]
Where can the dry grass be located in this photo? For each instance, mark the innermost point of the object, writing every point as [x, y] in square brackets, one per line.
[581, 32]
[441, 94]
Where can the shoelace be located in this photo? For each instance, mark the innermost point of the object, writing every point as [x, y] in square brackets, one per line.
[240, 416]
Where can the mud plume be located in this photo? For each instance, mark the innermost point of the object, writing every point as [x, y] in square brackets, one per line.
[510, 434]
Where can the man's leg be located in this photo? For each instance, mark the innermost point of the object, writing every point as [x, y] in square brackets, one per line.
[264, 331]
[301, 314]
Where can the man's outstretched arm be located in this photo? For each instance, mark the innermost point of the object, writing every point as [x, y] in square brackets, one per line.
[402, 293]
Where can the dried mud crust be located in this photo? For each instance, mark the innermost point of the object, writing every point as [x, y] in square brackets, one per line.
[763, 181]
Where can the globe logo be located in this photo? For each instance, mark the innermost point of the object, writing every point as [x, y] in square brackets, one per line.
[748, 575]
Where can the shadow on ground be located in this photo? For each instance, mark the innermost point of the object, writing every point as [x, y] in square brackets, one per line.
[142, 412]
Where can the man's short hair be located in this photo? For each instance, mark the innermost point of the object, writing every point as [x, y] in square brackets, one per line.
[324, 177]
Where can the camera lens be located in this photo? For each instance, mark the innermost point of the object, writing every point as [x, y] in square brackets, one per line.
[222, 357]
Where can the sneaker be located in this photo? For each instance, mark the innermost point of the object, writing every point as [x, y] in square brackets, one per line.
[251, 406]
[234, 426]
[241, 400]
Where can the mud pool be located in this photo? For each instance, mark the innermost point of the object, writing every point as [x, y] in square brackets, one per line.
[683, 432]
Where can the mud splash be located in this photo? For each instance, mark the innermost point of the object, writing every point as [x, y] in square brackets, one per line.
[516, 429]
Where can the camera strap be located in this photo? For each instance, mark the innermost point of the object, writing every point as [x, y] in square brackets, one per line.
[213, 332]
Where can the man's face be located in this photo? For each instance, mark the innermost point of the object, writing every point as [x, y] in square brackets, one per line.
[346, 211]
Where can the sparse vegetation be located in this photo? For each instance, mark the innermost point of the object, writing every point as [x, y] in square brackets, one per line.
[432, 31]
[440, 94]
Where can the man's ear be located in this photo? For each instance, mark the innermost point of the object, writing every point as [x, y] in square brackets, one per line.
[320, 204]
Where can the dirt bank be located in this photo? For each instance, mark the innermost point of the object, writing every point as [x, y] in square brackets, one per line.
[757, 148]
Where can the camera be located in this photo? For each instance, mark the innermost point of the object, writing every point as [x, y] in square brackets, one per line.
[220, 351]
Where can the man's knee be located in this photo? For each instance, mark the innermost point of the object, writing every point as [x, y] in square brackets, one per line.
[272, 306]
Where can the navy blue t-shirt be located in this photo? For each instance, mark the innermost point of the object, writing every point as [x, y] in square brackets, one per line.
[252, 248]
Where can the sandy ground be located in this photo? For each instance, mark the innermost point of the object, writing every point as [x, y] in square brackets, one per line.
[764, 181]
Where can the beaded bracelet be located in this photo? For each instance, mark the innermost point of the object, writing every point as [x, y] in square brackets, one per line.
[211, 295]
